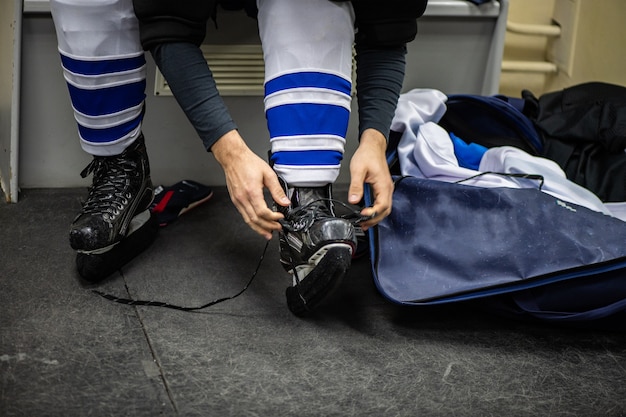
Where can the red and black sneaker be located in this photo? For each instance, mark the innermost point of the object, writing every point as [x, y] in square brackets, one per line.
[172, 202]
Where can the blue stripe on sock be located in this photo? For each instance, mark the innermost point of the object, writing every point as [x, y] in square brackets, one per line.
[109, 134]
[100, 67]
[308, 79]
[109, 100]
[307, 119]
[304, 158]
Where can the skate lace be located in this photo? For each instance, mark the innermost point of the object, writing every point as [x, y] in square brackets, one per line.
[353, 216]
[302, 217]
[108, 196]
[152, 303]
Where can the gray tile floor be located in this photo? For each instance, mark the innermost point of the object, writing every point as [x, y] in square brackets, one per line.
[65, 351]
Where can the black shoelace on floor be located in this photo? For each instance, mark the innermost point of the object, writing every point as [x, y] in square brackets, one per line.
[132, 302]
[354, 216]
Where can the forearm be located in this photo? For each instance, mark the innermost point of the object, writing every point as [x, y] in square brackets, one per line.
[380, 74]
[192, 83]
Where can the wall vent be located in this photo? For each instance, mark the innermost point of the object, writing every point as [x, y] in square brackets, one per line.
[238, 70]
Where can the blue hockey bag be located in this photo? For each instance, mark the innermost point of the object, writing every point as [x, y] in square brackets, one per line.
[518, 252]
[522, 251]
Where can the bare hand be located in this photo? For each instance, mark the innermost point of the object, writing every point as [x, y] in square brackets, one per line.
[369, 165]
[246, 177]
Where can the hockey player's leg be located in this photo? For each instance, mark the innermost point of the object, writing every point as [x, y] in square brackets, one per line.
[104, 66]
[307, 104]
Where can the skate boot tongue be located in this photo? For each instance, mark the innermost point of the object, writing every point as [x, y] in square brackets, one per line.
[111, 176]
[308, 204]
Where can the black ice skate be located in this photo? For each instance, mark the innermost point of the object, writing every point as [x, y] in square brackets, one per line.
[315, 247]
[117, 208]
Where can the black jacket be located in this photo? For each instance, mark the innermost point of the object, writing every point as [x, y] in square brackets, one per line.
[168, 21]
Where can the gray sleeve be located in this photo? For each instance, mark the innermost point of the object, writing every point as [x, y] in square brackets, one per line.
[193, 86]
[380, 74]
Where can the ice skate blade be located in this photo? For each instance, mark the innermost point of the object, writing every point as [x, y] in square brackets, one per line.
[95, 266]
[321, 282]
